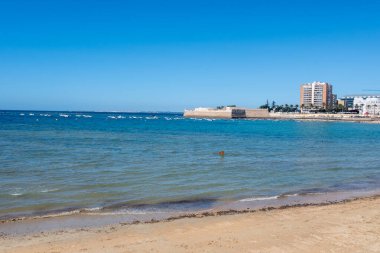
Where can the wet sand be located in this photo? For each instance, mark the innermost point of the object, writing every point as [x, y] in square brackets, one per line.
[350, 226]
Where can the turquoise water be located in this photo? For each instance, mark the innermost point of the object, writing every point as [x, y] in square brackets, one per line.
[51, 162]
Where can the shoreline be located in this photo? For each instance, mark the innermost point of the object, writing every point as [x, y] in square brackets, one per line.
[82, 218]
[197, 231]
[327, 119]
[303, 119]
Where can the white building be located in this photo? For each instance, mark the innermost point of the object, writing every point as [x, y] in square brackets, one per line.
[367, 105]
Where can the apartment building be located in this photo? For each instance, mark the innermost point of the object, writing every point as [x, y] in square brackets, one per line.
[317, 95]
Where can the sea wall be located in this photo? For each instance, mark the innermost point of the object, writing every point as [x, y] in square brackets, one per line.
[256, 113]
[228, 114]
[208, 114]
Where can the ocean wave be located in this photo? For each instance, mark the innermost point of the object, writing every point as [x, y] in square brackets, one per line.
[65, 213]
[202, 119]
[49, 190]
[101, 212]
[22, 114]
[16, 194]
[135, 117]
[150, 118]
[116, 117]
[31, 114]
[284, 195]
[259, 198]
[45, 115]
[288, 195]
[22, 192]
[64, 115]
[83, 116]
[90, 209]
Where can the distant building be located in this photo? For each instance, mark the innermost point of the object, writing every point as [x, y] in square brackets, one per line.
[366, 104]
[317, 95]
[348, 101]
[341, 103]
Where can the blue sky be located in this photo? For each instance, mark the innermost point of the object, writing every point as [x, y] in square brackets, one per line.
[170, 55]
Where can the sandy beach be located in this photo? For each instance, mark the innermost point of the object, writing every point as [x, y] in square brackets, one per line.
[351, 226]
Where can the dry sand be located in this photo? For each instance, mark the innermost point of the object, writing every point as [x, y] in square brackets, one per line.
[344, 227]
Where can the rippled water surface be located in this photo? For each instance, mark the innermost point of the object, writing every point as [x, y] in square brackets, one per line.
[57, 161]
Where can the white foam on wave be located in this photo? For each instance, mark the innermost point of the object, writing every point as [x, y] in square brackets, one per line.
[45, 115]
[64, 115]
[125, 212]
[290, 195]
[49, 190]
[16, 194]
[203, 119]
[83, 116]
[167, 118]
[31, 114]
[59, 214]
[91, 209]
[258, 199]
[116, 117]
[22, 114]
[150, 118]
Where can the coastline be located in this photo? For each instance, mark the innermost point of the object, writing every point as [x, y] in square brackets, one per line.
[324, 118]
[348, 120]
[100, 217]
[301, 117]
[352, 225]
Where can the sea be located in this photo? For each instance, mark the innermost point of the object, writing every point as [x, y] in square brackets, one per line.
[124, 167]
